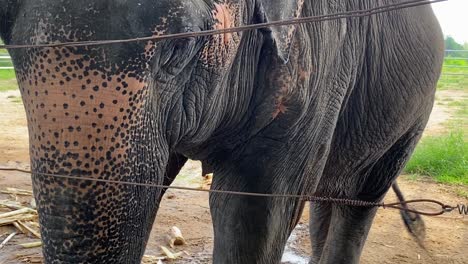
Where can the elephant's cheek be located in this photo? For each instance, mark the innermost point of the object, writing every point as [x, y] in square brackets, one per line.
[86, 122]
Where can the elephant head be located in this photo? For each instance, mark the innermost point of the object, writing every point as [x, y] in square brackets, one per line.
[123, 111]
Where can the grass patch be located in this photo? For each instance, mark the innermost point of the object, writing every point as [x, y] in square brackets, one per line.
[412, 177]
[460, 118]
[7, 74]
[7, 77]
[8, 80]
[449, 81]
[5, 63]
[445, 158]
[8, 85]
[445, 99]
[462, 193]
[453, 103]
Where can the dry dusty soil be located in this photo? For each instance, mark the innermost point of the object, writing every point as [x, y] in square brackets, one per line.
[388, 242]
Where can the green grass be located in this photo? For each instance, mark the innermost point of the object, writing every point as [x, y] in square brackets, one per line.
[8, 80]
[460, 119]
[444, 158]
[7, 74]
[453, 82]
[462, 193]
[5, 63]
[453, 103]
[7, 77]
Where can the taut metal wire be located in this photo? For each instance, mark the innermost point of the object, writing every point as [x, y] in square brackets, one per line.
[294, 21]
[311, 198]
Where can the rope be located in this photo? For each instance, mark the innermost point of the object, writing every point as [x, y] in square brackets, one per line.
[311, 198]
[294, 21]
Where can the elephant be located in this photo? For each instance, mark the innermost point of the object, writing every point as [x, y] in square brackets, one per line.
[333, 109]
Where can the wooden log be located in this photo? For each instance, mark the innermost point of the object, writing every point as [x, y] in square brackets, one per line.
[16, 191]
[19, 227]
[31, 259]
[175, 238]
[32, 231]
[168, 253]
[152, 259]
[11, 204]
[34, 224]
[32, 244]
[17, 212]
[22, 217]
[7, 239]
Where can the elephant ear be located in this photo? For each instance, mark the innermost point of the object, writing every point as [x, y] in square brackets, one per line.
[276, 10]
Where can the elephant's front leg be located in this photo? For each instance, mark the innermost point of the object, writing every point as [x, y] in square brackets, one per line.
[251, 229]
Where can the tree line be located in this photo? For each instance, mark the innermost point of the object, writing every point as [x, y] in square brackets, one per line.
[452, 44]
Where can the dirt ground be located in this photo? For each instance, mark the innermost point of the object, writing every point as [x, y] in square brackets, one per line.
[388, 242]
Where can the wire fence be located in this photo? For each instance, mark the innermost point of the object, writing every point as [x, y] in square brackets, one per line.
[452, 59]
[453, 66]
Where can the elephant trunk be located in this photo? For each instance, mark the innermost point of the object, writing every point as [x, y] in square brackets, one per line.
[88, 121]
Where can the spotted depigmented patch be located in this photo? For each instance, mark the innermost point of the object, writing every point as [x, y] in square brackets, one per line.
[292, 29]
[224, 20]
[280, 107]
[98, 108]
[81, 122]
[289, 83]
[222, 48]
[159, 30]
[86, 113]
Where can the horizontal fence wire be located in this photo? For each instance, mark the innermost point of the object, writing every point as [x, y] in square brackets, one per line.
[295, 21]
[402, 205]
[454, 74]
[456, 66]
[8, 60]
[455, 58]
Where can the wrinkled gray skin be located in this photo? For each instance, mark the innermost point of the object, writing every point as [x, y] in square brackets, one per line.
[332, 108]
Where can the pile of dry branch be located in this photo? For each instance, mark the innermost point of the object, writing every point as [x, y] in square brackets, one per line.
[23, 217]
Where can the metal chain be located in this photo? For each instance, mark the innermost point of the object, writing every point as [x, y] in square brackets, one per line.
[311, 198]
[294, 21]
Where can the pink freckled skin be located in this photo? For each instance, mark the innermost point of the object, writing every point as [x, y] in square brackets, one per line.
[281, 109]
[225, 20]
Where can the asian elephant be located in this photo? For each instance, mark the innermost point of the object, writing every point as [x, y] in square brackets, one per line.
[332, 108]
